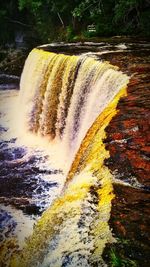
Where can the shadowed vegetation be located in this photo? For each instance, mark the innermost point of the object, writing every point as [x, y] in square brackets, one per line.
[45, 21]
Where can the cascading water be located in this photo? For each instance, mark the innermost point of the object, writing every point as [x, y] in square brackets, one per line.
[62, 95]
[69, 101]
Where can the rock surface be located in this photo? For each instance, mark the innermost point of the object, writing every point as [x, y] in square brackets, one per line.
[128, 143]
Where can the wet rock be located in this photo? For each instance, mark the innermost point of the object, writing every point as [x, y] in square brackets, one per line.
[128, 143]
[23, 182]
[7, 230]
[9, 82]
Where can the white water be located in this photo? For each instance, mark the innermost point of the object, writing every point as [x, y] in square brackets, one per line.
[61, 96]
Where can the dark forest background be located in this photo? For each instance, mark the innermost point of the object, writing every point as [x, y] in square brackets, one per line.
[42, 21]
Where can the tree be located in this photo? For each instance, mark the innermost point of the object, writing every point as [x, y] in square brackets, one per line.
[59, 20]
[49, 15]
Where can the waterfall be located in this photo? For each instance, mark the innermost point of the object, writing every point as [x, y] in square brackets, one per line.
[61, 95]
[70, 100]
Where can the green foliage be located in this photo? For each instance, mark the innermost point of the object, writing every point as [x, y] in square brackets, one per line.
[116, 17]
[117, 261]
[49, 17]
[87, 7]
[33, 5]
[70, 33]
[50, 20]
